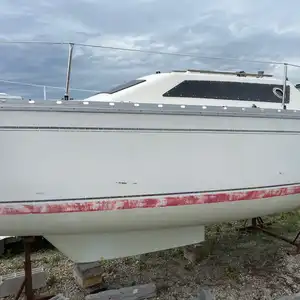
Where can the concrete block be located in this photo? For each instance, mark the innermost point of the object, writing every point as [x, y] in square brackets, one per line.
[88, 274]
[291, 297]
[138, 292]
[204, 294]
[11, 283]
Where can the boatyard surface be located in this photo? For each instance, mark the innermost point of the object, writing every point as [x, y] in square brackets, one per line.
[232, 265]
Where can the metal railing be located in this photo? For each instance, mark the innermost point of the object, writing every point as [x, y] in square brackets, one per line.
[44, 89]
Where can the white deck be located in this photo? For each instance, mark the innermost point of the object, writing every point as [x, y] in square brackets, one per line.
[155, 85]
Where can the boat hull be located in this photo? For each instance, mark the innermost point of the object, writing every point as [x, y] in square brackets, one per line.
[87, 231]
[102, 177]
[50, 156]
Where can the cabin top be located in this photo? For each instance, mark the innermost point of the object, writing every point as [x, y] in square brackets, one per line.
[205, 87]
[259, 74]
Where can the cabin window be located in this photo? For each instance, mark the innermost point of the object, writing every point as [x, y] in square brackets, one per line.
[242, 91]
[123, 86]
[278, 92]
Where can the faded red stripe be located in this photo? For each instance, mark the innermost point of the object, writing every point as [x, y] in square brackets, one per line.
[150, 202]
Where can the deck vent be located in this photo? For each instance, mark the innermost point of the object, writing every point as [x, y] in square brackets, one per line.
[260, 74]
[241, 74]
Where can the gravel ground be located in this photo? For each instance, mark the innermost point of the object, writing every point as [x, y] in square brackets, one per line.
[233, 265]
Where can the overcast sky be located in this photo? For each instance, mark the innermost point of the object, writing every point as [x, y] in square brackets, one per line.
[256, 29]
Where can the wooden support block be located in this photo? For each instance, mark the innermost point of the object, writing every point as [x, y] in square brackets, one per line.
[10, 283]
[88, 274]
[138, 292]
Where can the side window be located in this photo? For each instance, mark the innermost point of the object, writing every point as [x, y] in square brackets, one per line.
[242, 91]
[123, 86]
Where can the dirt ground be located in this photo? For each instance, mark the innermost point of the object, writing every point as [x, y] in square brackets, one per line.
[234, 265]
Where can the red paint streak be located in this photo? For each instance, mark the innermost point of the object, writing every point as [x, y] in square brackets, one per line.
[150, 202]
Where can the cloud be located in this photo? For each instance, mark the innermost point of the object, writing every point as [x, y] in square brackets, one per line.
[255, 30]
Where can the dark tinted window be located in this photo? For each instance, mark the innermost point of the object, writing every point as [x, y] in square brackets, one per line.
[123, 86]
[229, 91]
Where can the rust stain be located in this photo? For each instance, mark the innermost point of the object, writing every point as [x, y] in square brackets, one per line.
[148, 202]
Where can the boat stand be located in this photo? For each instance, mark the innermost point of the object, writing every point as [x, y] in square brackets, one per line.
[27, 282]
[257, 224]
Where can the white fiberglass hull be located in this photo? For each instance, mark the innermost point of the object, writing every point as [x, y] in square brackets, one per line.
[107, 184]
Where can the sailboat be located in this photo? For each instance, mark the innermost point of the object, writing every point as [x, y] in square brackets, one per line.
[147, 165]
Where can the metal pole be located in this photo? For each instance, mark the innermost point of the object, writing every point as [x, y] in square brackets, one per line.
[71, 46]
[284, 85]
[27, 268]
[45, 93]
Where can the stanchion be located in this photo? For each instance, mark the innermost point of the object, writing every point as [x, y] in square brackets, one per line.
[259, 225]
[27, 283]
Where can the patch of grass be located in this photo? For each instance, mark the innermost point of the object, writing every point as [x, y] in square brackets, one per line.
[286, 222]
[8, 254]
[232, 272]
[18, 265]
[286, 218]
[167, 254]
[290, 221]
[142, 265]
[54, 259]
[50, 257]
[128, 260]
[161, 288]
[51, 281]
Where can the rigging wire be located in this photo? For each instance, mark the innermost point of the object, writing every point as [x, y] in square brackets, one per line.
[130, 50]
[48, 86]
[150, 52]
